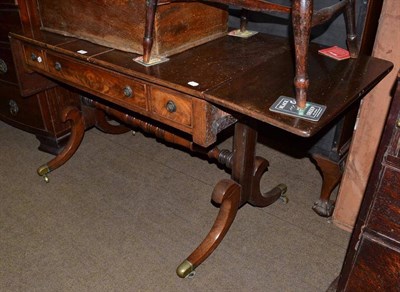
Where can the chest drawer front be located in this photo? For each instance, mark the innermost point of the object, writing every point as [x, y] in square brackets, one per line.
[35, 57]
[113, 86]
[7, 69]
[16, 109]
[376, 267]
[9, 21]
[385, 213]
[9, 2]
[172, 106]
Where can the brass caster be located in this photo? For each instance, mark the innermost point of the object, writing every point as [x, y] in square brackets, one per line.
[43, 171]
[185, 270]
[191, 275]
[283, 188]
[284, 199]
[133, 133]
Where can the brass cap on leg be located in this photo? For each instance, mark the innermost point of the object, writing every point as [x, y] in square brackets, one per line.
[43, 170]
[283, 188]
[184, 269]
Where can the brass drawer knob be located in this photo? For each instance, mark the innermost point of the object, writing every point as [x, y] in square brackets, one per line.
[13, 107]
[3, 67]
[398, 123]
[57, 66]
[36, 58]
[171, 107]
[128, 92]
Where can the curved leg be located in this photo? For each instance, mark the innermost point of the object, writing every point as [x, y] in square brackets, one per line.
[264, 199]
[349, 14]
[103, 125]
[301, 18]
[73, 115]
[226, 193]
[331, 174]
[151, 6]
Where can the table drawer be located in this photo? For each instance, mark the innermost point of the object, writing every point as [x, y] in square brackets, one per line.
[172, 106]
[35, 57]
[110, 85]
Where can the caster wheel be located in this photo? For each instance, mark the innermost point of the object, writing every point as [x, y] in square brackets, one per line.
[191, 275]
[284, 199]
[46, 179]
[283, 188]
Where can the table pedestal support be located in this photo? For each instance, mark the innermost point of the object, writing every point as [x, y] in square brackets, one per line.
[242, 188]
[229, 194]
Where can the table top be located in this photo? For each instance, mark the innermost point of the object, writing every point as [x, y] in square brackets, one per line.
[242, 76]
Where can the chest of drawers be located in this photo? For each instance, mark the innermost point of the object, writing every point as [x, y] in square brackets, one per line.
[35, 113]
[372, 261]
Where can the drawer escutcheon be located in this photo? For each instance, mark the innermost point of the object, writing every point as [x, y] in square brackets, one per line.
[128, 92]
[14, 109]
[3, 67]
[36, 58]
[57, 66]
[171, 106]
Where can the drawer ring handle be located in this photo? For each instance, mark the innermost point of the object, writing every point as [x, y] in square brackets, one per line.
[128, 92]
[36, 58]
[171, 106]
[14, 109]
[57, 66]
[3, 67]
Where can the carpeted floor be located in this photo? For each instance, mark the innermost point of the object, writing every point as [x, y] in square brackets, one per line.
[126, 210]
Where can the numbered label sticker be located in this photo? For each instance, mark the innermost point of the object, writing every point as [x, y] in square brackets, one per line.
[287, 105]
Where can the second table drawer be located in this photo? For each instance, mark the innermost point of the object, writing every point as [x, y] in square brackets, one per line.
[171, 106]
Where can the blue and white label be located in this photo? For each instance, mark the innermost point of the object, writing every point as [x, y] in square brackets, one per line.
[287, 105]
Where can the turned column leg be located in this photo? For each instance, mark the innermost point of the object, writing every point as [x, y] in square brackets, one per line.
[350, 18]
[73, 115]
[151, 6]
[331, 176]
[301, 18]
[244, 20]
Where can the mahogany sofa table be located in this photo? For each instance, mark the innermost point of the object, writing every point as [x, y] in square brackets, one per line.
[191, 98]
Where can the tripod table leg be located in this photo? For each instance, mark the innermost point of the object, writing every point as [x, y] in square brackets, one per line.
[227, 194]
[73, 115]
